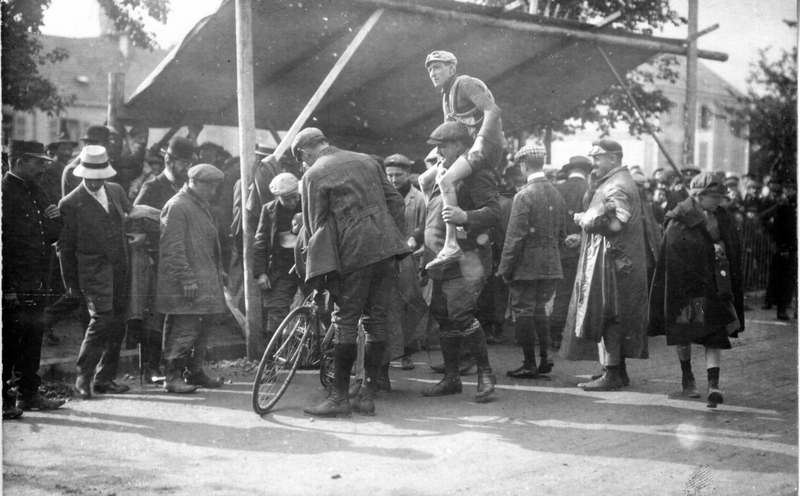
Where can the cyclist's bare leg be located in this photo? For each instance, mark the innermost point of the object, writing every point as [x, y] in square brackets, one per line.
[457, 172]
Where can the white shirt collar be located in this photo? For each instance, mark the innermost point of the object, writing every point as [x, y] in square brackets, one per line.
[99, 195]
[535, 175]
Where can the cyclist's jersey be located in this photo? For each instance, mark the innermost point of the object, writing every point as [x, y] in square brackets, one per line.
[465, 102]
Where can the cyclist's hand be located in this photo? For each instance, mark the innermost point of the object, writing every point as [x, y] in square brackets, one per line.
[263, 282]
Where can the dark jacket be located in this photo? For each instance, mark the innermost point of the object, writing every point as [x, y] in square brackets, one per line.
[685, 270]
[189, 253]
[265, 259]
[155, 192]
[92, 246]
[573, 190]
[368, 211]
[535, 233]
[27, 236]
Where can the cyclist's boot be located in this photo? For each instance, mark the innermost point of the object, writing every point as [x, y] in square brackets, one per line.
[373, 355]
[475, 341]
[337, 404]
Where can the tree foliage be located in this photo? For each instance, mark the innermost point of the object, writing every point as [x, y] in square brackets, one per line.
[767, 116]
[24, 88]
[611, 107]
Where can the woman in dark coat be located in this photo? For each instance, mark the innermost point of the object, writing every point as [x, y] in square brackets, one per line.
[697, 294]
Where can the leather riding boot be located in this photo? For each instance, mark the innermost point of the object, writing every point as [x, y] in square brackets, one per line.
[337, 404]
[364, 401]
[451, 383]
[524, 331]
[173, 381]
[486, 383]
[609, 381]
[541, 324]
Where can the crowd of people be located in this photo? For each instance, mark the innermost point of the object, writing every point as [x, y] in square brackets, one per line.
[589, 259]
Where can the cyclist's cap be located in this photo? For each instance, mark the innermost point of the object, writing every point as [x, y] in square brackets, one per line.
[441, 56]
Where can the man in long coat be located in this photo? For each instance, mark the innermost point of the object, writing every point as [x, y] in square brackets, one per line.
[608, 312]
[190, 279]
[351, 191]
[31, 223]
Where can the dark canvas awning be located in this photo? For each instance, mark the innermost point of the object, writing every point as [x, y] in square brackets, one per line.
[537, 68]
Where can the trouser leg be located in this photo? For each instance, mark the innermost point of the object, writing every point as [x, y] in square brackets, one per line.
[108, 365]
[24, 326]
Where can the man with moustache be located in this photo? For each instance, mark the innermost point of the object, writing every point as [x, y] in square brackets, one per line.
[179, 155]
[94, 264]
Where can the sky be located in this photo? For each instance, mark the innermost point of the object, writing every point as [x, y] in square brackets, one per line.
[745, 27]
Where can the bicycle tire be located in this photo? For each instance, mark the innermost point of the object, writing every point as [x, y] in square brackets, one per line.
[326, 359]
[281, 358]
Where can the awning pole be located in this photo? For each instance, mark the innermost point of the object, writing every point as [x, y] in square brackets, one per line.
[640, 114]
[326, 84]
[247, 140]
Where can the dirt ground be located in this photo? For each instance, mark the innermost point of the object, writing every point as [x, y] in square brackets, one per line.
[535, 437]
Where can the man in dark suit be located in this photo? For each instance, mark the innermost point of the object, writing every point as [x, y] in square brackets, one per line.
[531, 263]
[30, 225]
[94, 263]
[178, 157]
[573, 190]
[352, 191]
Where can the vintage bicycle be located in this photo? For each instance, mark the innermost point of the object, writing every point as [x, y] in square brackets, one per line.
[298, 342]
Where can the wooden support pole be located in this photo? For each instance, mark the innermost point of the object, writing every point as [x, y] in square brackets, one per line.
[704, 32]
[690, 110]
[326, 84]
[247, 140]
[640, 114]
[116, 98]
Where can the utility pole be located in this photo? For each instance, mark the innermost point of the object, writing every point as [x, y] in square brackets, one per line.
[690, 109]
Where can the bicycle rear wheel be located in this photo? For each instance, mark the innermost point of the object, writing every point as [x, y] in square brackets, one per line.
[281, 359]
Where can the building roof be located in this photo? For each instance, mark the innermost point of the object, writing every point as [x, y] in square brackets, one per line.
[708, 81]
[85, 72]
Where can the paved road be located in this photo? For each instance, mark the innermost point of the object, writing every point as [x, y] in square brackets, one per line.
[536, 437]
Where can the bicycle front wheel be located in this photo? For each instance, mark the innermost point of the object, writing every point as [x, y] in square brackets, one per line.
[281, 359]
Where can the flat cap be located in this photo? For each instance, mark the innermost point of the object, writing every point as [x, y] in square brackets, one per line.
[304, 137]
[441, 56]
[732, 179]
[531, 151]
[283, 184]
[690, 170]
[603, 146]
[449, 131]
[397, 160]
[206, 173]
[708, 182]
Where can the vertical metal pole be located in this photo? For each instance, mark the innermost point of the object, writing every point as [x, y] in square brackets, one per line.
[691, 88]
[116, 97]
[247, 140]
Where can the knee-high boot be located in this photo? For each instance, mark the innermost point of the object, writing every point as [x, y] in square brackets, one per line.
[364, 401]
[451, 383]
[337, 404]
[476, 342]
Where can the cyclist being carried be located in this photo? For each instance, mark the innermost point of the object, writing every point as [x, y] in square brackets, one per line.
[468, 101]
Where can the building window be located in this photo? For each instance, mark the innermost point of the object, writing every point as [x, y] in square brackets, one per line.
[706, 117]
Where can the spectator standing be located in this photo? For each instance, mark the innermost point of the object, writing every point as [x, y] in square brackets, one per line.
[31, 223]
[608, 312]
[531, 262]
[698, 295]
[190, 280]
